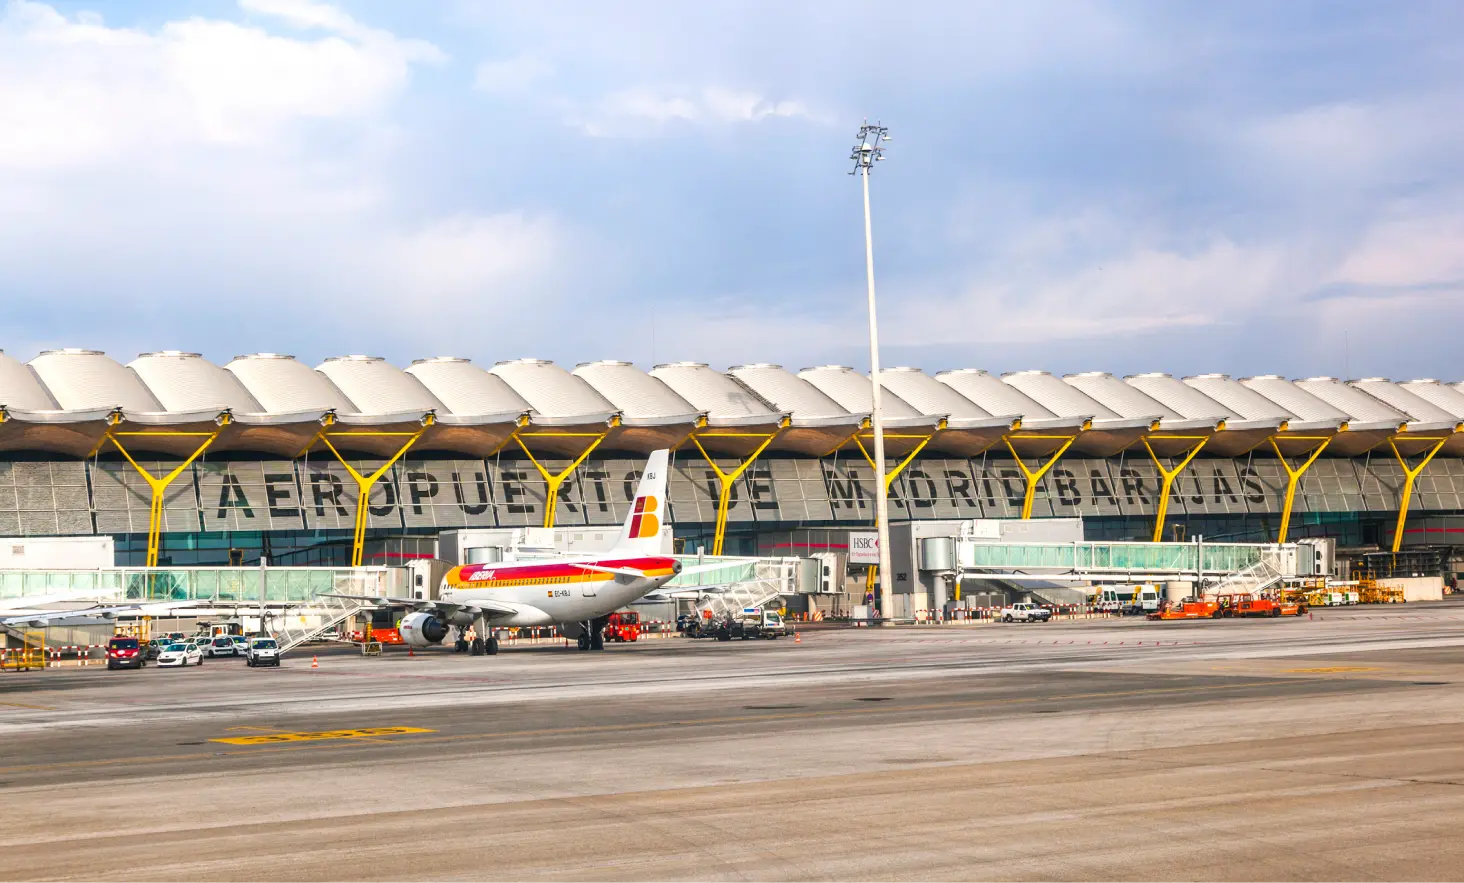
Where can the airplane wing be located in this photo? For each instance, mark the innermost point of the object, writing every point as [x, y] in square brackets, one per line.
[44, 618]
[489, 608]
[691, 593]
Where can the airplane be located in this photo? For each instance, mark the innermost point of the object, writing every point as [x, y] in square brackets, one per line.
[576, 594]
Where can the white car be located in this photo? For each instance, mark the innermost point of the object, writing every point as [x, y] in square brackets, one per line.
[1025, 611]
[222, 645]
[179, 655]
[263, 651]
[241, 645]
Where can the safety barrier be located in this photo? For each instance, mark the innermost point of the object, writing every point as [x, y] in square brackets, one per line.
[52, 657]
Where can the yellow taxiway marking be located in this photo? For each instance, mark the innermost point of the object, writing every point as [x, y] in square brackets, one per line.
[363, 737]
[1328, 670]
[276, 738]
[23, 705]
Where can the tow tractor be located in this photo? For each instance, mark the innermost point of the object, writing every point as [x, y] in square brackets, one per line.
[623, 626]
[1268, 607]
[1190, 608]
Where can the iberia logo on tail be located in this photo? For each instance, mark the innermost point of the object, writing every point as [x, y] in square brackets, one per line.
[643, 519]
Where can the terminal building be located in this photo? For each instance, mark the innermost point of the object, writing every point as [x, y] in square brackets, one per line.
[188, 463]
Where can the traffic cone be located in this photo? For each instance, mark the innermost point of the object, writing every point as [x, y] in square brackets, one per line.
[315, 662]
[409, 650]
[798, 637]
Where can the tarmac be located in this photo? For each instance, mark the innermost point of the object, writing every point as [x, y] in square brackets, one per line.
[1320, 748]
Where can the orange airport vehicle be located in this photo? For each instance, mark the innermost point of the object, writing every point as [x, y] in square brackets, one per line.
[1268, 607]
[623, 626]
[1190, 608]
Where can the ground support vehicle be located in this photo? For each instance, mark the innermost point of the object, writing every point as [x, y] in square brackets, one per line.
[179, 655]
[1025, 611]
[262, 651]
[755, 622]
[1191, 608]
[126, 653]
[623, 626]
[1268, 607]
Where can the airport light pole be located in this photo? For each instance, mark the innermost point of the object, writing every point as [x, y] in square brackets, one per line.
[866, 153]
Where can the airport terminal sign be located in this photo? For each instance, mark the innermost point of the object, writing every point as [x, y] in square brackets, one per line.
[108, 496]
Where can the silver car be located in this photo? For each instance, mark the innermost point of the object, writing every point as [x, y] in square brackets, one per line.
[223, 645]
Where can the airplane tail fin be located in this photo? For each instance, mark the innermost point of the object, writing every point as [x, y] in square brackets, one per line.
[642, 531]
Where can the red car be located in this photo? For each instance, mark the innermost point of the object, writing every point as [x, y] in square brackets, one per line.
[125, 653]
[624, 626]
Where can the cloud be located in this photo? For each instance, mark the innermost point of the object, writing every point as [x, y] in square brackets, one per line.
[245, 177]
[640, 112]
[510, 76]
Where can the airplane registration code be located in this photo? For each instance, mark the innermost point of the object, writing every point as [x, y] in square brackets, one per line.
[277, 738]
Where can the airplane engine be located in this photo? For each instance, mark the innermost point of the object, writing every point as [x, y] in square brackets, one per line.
[422, 629]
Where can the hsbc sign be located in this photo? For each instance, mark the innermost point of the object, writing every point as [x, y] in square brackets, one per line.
[863, 547]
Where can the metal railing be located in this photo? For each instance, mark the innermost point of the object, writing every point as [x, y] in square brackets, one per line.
[1120, 558]
[224, 585]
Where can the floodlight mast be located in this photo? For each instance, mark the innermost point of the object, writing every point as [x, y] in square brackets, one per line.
[866, 153]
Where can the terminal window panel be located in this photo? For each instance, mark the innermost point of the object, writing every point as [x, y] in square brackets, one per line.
[1441, 486]
[44, 498]
[445, 493]
[1265, 482]
[999, 485]
[1382, 483]
[328, 495]
[691, 502]
[123, 499]
[1334, 488]
[604, 489]
[849, 485]
[263, 495]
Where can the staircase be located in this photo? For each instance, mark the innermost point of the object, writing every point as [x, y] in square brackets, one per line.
[307, 621]
[771, 579]
[1251, 580]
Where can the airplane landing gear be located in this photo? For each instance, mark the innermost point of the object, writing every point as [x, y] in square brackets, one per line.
[597, 642]
[491, 648]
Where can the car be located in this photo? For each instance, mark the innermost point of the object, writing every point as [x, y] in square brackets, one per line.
[154, 647]
[179, 654]
[174, 638]
[241, 645]
[1025, 611]
[223, 645]
[263, 651]
[125, 653]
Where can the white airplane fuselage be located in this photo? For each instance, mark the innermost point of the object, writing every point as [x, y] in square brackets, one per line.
[553, 592]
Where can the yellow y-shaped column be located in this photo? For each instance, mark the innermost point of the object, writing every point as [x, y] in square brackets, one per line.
[1034, 477]
[553, 481]
[364, 483]
[1293, 476]
[1409, 476]
[1168, 475]
[893, 473]
[725, 479]
[159, 486]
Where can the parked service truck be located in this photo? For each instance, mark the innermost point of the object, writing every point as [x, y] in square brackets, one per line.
[758, 622]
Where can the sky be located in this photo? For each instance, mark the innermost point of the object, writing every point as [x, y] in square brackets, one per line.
[1247, 187]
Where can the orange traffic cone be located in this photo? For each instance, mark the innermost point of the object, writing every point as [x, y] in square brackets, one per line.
[315, 662]
[798, 637]
[409, 650]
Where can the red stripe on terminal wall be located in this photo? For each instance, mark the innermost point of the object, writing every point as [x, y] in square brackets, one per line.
[396, 555]
[1433, 530]
[806, 546]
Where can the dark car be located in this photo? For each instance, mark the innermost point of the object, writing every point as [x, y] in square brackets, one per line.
[126, 653]
[153, 648]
